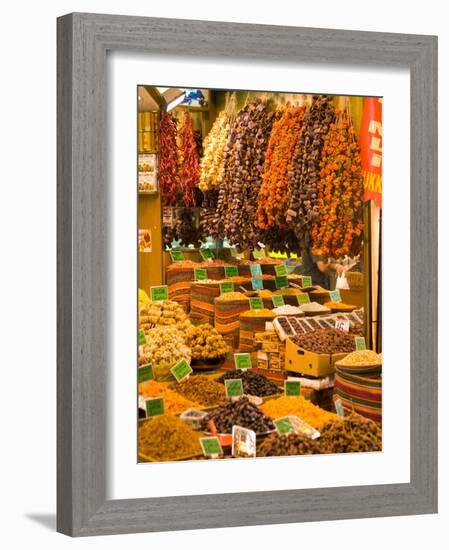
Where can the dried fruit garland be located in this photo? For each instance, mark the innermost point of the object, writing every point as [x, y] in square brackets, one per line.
[340, 192]
[244, 157]
[168, 175]
[188, 161]
[303, 209]
[274, 194]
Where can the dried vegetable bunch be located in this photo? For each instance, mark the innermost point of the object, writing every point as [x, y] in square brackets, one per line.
[274, 194]
[188, 159]
[244, 157]
[303, 208]
[339, 229]
[211, 166]
[168, 176]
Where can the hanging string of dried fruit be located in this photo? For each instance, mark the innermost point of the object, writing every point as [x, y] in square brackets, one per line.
[168, 176]
[338, 231]
[274, 194]
[211, 166]
[188, 159]
[244, 157]
[303, 208]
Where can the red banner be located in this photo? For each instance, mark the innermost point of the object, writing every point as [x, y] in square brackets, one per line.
[371, 148]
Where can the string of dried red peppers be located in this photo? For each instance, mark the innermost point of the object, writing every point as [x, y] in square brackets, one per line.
[340, 192]
[189, 161]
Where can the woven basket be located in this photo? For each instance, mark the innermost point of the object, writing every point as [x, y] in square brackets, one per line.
[179, 281]
[202, 307]
[355, 279]
[248, 328]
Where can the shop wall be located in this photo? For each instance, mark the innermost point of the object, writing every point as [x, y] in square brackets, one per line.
[28, 228]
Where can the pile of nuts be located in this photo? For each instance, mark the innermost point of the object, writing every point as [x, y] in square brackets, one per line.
[326, 340]
[165, 313]
[205, 342]
[238, 413]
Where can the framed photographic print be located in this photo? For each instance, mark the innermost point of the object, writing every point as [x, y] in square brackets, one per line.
[241, 318]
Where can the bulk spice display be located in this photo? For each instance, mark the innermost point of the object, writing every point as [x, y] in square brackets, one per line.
[269, 181]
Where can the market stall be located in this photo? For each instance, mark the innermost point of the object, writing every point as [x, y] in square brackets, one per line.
[247, 346]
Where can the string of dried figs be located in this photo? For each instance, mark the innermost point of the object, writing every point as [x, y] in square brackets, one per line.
[338, 231]
[189, 160]
[274, 194]
[168, 176]
[244, 157]
[303, 208]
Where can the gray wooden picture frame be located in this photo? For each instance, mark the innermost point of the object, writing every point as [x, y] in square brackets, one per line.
[83, 40]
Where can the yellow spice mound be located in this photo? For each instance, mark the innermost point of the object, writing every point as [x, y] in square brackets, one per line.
[298, 406]
[174, 403]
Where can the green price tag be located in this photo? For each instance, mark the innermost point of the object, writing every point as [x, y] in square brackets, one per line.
[231, 271]
[242, 360]
[335, 296]
[284, 425]
[234, 387]
[280, 270]
[207, 254]
[145, 373]
[292, 388]
[281, 282]
[141, 338]
[176, 255]
[211, 446]
[360, 343]
[306, 281]
[257, 283]
[255, 303]
[226, 287]
[259, 253]
[339, 408]
[181, 370]
[256, 270]
[159, 293]
[154, 406]
[200, 274]
[278, 301]
[303, 298]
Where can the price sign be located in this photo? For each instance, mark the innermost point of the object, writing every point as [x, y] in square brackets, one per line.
[226, 287]
[306, 281]
[360, 343]
[255, 303]
[335, 296]
[242, 360]
[234, 387]
[231, 271]
[339, 408]
[280, 270]
[342, 324]
[284, 425]
[154, 406]
[211, 446]
[181, 370]
[256, 270]
[278, 301]
[176, 255]
[281, 282]
[303, 298]
[200, 274]
[207, 254]
[292, 388]
[257, 283]
[159, 293]
[141, 338]
[145, 373]
[259, 253]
